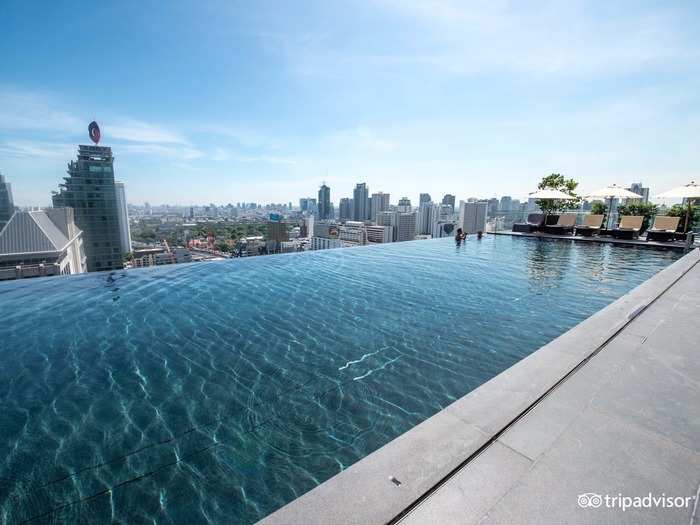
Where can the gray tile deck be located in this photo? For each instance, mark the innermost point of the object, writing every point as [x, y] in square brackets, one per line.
[610, 407]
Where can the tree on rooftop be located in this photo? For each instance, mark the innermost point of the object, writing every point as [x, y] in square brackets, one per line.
[557, 181]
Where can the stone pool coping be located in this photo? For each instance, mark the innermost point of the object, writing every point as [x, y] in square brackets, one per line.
[384, 485]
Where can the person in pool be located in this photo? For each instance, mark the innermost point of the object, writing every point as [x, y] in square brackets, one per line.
[460, 235]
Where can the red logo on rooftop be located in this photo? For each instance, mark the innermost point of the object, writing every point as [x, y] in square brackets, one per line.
[94, 131]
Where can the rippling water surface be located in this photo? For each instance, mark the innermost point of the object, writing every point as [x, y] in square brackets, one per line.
[217, 392]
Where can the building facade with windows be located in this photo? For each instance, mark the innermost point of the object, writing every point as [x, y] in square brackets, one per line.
[7, 205]
[90, 190]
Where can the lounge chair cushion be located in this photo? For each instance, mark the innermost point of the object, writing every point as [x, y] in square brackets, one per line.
[665, 223]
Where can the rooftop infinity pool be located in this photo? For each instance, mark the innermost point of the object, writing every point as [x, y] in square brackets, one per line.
[218, 392]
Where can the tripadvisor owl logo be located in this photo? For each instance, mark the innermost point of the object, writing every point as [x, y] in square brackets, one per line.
[620, 501]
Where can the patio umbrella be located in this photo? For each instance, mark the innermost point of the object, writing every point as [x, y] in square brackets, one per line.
[689, 191]
[612, 192]
[550, 194]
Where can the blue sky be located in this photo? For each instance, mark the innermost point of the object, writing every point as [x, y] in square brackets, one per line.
[261, 101]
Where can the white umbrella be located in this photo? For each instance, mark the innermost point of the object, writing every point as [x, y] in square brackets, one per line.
[689, 191]
[612, 192]
[550, 194]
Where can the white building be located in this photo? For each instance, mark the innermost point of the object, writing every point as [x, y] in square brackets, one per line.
[353, 231]
[379, 234]
[325, 243]
[472, 216]
[123, 210]
[41, 242]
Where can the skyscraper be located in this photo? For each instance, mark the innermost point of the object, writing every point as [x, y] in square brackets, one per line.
[7, 206]
[90, 190]
[449, 200]
[404, 204]
[324, 202]
[639, 189]
[124, 226]
[361, 202]
[378, 203]
[506, 204]
[424, 197]
[403, 224]
[346, 211]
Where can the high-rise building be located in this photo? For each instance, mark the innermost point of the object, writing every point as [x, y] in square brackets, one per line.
[124, 227]
[346, 210]
[308, 204]
[403, 224]
[424, 218]
[41, 242]
[90, 190]
[404, 205]
[378, 203]
[424, 198]
[472, 216]
[406, 227]
[493, 205]
[449, 200]
[7, 206]
[324, 202]
[360, 197]
[639, 189]
[506, 204]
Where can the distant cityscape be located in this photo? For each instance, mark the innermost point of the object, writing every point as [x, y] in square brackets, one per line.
[91, 227]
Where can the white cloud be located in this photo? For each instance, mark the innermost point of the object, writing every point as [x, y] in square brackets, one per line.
[30, 149]
[34, 111]
[138, 131]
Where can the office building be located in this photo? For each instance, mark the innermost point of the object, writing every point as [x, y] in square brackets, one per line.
[7, 206]
[324, 202]
[353, 231]
[360, 197]
[403, 224]
[124, 226]
[404, 205]
[308, 205]
[41, 242]
[347, 209]
[449, 200]
[493, 207]
[506, 204]
[378, 203]
[424, 198]
[406, 227]
[90, 190]
[379, 234]
[640, 190]
[472, 216]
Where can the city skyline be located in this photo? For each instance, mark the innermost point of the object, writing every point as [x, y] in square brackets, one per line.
[473, 100]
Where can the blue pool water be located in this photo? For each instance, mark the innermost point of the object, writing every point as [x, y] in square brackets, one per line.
[217, 392]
